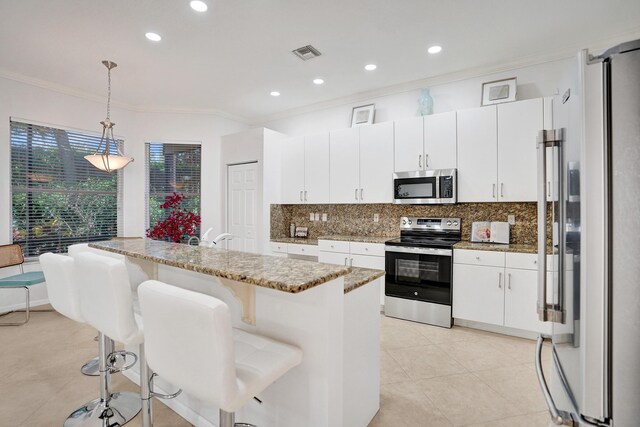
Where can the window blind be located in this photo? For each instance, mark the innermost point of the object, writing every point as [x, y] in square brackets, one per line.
[172, 168]
[58, 198]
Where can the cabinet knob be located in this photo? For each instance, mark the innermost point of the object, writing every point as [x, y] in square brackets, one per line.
[478, 258]
[366, 249]
[302, 249]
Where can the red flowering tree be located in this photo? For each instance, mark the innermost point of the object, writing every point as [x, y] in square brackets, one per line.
[179, 225]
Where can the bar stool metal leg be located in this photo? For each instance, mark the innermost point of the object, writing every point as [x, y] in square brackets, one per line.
[228, 419]
[145, 390]
[110, 409]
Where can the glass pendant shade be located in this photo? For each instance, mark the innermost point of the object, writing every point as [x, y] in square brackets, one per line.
[104, 160]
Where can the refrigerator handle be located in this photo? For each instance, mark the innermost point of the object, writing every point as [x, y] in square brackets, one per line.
[547, 312]
[560, 418]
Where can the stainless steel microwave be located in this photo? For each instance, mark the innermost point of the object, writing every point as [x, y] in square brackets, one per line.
[437, 186]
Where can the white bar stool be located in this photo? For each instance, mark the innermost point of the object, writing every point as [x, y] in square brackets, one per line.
[136, 276]
[107, 305]
[190, 342]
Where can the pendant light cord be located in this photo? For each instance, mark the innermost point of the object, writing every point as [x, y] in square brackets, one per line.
[109, 95]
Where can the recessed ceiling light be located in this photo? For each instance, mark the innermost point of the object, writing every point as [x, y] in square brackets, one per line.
[275, 93]
[318, 81]
[434, 49]
[198, 6]
[153, 37]
[370, 67]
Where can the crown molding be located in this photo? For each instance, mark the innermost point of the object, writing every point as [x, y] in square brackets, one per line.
[67, 90]
[596, 47]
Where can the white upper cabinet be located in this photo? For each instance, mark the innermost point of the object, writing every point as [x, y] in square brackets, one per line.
[427, 142]
[518, 127]
[316, 168]
[305, 169]
[344, 171]
[477, 158]
[376, 163]
[293, 170]
[440, 141]
[409, 144]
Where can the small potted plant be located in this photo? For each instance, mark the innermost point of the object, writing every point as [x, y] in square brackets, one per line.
[179, 225]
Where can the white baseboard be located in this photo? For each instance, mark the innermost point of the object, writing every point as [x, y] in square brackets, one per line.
[22, 306]
[497, 329]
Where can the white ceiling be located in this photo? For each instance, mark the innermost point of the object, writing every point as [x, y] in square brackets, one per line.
[230, 57]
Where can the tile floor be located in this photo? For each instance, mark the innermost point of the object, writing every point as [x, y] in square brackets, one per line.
[430, 376]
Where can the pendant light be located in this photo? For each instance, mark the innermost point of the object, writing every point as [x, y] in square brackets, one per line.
[105, 160]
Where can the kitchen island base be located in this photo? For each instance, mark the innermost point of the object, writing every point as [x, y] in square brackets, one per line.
[338, 381]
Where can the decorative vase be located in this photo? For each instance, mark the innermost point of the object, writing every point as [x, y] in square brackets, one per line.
[425, 103]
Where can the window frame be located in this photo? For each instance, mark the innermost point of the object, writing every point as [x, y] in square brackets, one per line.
[147, 182]
[119, 193]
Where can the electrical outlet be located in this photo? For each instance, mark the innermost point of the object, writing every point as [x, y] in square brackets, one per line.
[317, 217]
[311, 216]
[325, 217]
[511, 219]
[376, 217]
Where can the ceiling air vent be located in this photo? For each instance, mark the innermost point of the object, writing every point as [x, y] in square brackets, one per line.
[306, 52]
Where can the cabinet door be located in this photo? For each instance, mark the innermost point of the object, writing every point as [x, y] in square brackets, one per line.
[376, 163]
[344, 170]
[293, 170]
[518, 127]
[368, 261]
[478, 293]
[520, 300]
[440, 141]
[477, 155]
[408, 144]
[316, 168]
[333, 258]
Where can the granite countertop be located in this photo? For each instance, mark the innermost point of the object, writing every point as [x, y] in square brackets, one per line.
[304, 241]
[363, 239]
[283, 274]
[296, 240]
[360, 276]
[498, 247]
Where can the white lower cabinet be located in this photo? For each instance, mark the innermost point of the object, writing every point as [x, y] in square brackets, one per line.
[353, 254]
[478, 293]
[496, 293]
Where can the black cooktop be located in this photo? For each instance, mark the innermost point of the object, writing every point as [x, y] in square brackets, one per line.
[424, 242]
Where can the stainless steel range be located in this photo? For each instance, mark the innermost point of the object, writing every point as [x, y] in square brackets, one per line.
[419, 266]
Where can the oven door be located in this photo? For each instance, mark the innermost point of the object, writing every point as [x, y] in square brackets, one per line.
[422, 189]
[422, 274]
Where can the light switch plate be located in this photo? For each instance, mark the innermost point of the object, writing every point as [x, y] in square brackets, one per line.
[325, 217]
[511, 219]
[376, 217]
[317, 217]
[311, 216]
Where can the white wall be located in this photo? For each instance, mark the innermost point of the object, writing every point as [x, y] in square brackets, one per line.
[533, 82]
[37, 104]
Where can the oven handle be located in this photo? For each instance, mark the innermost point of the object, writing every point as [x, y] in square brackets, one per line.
[419, 251]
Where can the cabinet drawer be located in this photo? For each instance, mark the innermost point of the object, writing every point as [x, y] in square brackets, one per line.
[365, 261]
[297, 249]
[333, 246]
[278, 247]
[360, 248]
[523, 261]
[487, 258]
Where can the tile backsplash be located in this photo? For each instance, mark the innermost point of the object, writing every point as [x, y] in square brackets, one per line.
[358, 219]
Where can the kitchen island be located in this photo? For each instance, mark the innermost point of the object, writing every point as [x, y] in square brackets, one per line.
[330, 312]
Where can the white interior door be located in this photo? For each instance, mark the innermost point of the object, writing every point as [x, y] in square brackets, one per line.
[242, 206]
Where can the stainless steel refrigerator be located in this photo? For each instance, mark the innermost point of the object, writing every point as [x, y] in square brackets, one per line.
[589, 256]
